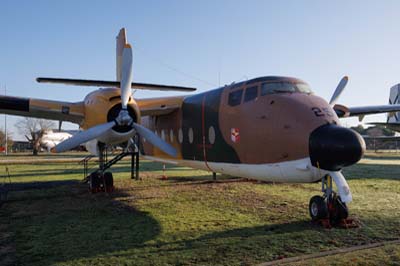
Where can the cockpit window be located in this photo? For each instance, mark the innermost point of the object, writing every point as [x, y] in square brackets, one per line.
[235, 97]
[250, 94]
[282, 87]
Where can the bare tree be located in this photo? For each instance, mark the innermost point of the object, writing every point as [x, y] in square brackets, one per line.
[33, 129]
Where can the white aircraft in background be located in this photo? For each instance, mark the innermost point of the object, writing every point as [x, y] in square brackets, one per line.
[50, 139]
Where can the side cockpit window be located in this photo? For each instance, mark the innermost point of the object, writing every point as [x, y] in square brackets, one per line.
[235, 97]
[251, 94]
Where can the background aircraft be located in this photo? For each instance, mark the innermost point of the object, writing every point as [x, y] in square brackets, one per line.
[393, 118]
[50, 138]
[268, 128]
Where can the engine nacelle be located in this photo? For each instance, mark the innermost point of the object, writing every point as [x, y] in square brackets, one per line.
[104, 105]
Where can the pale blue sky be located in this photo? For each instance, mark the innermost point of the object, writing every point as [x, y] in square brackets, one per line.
[189, 42]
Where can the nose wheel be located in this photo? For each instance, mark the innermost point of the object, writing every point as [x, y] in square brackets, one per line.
[329, 208]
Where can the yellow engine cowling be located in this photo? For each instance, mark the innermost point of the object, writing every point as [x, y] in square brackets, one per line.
[103, 106]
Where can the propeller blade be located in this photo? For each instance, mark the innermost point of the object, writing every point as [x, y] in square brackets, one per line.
[82, 137]
[126, 77]
[155, 140]
[339, 89]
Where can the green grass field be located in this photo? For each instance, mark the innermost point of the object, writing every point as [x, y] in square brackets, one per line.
[188, 219]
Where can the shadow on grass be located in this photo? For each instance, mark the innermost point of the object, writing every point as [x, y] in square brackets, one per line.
[39, 185]
[63, 223]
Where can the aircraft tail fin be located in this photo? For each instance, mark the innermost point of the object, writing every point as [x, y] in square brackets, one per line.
[121, 42]
[394, 98]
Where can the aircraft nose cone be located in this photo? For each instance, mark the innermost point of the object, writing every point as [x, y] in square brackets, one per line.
[333, 147]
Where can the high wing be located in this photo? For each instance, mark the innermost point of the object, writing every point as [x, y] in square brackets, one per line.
[392, 108]
[159, 106]
[343, 111]
[54, 110]
[114, 84]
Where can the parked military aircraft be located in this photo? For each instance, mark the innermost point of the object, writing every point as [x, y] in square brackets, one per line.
[268, 128]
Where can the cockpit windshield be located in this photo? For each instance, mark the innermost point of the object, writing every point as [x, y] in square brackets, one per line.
[284, 87]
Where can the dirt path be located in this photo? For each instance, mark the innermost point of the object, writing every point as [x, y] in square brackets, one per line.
[328, 253]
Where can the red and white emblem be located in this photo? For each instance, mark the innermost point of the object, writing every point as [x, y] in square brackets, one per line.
[235, 136]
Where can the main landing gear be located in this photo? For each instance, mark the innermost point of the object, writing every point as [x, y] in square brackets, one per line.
[102, 181]
[329, 208]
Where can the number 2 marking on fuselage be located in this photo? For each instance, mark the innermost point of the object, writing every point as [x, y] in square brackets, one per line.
[324, 112]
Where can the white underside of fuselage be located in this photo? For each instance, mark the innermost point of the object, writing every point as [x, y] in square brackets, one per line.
[297, 171]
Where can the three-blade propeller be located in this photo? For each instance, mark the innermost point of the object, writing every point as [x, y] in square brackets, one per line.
[123, 117]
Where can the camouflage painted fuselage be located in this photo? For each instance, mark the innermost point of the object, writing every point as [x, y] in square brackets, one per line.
[268, 129]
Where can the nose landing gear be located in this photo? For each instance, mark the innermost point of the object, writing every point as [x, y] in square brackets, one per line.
[329, 210]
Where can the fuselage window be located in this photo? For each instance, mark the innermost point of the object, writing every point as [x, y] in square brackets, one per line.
[211, 135]
[251, 93]
[235, 97]
[180, 135]
[190, 132]
[163, 134]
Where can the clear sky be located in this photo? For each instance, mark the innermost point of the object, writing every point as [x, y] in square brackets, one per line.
[202, 44]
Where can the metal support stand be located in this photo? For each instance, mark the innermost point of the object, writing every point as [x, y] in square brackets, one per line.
[135, 158]
[214, 176]
[135, 165]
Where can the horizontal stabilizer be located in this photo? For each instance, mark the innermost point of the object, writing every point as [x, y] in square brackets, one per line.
[116, 84]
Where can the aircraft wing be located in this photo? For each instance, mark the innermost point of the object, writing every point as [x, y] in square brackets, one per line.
[159, 106]
[53, 110]
[343, 111]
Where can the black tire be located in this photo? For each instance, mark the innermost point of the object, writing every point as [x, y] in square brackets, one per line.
[318, 208]
[95, 181]
[341, 210]
[108, 179]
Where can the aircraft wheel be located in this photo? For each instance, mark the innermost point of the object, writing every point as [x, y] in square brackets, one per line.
[109, 181]
[318, 208]
[95, 182]
[341, 210]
